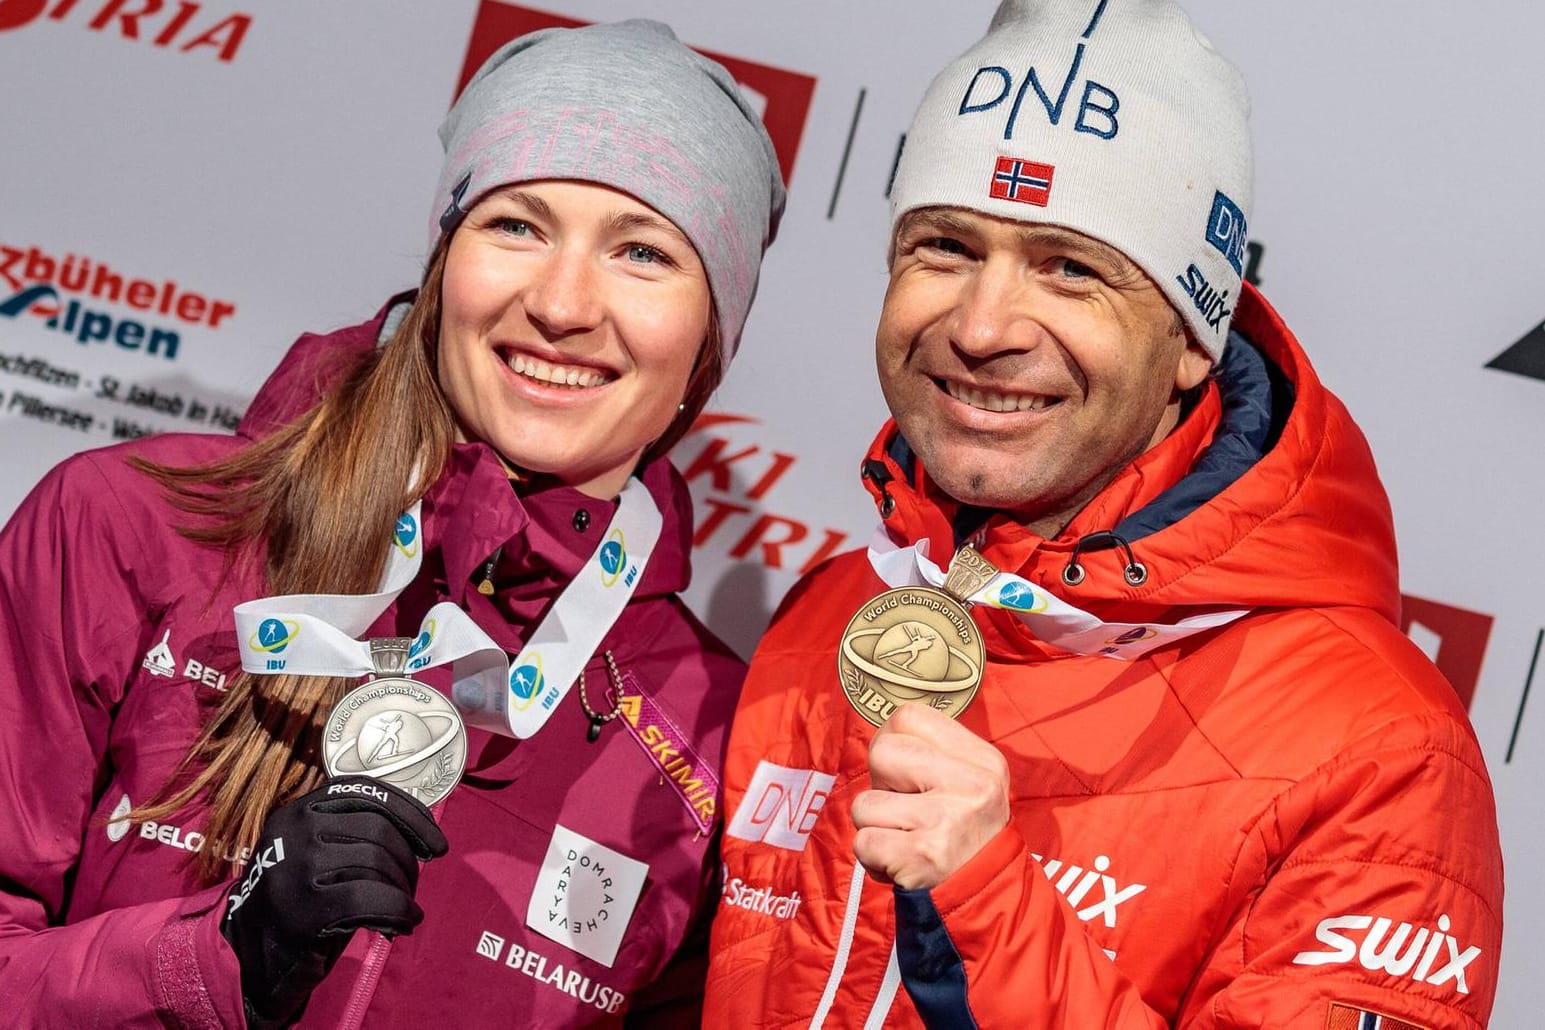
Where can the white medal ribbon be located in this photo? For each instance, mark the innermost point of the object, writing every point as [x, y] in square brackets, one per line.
[1049, 617]
[316, 634]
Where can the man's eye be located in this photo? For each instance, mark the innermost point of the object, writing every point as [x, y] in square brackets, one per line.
[943, 244]
[1076, 270]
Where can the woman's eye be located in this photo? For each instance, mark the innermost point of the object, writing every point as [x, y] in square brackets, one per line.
[645, 254]
[512, 226]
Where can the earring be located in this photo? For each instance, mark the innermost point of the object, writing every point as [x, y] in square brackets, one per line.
[681, 407]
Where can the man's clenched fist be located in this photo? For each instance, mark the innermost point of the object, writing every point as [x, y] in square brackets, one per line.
[938, 794]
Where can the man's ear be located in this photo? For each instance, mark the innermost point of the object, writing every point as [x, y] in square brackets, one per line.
[1194, 365]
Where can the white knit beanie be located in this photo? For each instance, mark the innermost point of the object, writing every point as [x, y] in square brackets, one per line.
[1114, 118]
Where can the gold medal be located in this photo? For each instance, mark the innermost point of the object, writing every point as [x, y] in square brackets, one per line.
[916, 645]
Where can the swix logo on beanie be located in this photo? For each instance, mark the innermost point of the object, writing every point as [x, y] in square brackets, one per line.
[781, 96]
[184, 25]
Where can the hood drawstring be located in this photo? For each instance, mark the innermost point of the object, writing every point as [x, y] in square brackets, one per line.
[1136, 572]
[881, 476]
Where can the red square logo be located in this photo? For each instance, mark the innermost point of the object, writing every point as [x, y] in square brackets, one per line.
[1460, 637]
[1028, 182]
[782, 96]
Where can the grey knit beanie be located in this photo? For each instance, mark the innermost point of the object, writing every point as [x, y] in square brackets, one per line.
[624, 105]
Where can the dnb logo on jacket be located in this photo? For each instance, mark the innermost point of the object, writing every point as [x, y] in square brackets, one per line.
[781, 806]
[1427, 955]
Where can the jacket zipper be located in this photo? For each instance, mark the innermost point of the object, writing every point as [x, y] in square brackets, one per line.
[365, 984]
[375, 962]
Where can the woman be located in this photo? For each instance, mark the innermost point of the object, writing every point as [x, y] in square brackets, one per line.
[605, 201]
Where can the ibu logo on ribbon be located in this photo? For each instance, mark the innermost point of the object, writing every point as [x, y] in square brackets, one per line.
[274, 635]
[514, 697]
[1046, 615]
[271, 638]
[526, 682]
[405, 535]
[418, 654]
[1020, 597]
[613, 559]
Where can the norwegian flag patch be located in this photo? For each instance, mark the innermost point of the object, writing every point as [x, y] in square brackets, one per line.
[1027, 182]
[1348, 1017]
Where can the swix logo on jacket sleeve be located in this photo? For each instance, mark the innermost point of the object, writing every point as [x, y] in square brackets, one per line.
[781, 806]
[1412, 952]
[1092, 892]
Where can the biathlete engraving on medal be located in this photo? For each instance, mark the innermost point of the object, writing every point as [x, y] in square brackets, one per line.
[916, 644]
[397, 730]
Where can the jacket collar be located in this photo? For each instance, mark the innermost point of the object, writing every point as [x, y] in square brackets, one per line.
[533, 536]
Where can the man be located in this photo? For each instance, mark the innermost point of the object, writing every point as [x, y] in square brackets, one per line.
[1168, 760]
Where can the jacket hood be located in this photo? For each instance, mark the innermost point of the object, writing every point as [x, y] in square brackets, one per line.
[472, 516]
[1265, 496]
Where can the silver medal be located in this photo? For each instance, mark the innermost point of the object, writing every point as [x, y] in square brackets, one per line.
[397, 730]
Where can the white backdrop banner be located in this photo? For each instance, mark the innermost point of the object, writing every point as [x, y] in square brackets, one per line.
[185, 187]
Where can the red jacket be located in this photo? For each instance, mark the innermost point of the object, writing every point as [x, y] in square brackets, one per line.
[1283, 822]
[115, 644]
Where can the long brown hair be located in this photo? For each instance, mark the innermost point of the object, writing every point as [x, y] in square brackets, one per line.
[317, 502]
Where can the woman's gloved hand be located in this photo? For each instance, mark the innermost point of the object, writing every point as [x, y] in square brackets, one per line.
[342, 857]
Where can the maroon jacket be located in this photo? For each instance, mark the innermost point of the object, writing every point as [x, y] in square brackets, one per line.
[116, 640]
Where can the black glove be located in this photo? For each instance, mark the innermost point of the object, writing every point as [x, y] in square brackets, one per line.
[344, 856]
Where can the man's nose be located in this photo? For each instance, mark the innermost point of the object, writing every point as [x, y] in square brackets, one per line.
[995, 312]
